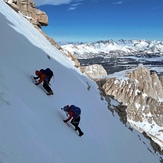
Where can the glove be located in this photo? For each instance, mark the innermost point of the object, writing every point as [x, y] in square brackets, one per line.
[64, 121]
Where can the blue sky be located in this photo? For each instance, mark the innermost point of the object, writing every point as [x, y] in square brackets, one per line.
[94, 20]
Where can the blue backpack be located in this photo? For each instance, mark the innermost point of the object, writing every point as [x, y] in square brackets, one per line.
[76, 110]
[48, 72]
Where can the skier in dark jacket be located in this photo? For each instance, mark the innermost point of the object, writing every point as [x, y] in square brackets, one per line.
[43, 78]
[74, 116]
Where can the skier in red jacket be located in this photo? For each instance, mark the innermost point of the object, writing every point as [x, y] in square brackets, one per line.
[43, 78]
[74, 115]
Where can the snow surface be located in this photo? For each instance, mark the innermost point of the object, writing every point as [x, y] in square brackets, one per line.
[31, 126]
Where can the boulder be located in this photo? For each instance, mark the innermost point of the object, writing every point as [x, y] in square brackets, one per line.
[29, 10]
[94, 71]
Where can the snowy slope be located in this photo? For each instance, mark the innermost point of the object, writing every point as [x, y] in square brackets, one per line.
[31, 126]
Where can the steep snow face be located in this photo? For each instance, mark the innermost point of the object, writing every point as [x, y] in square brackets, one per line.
[111, 48]
[31, 123]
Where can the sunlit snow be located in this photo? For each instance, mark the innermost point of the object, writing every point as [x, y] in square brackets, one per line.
[31, 123]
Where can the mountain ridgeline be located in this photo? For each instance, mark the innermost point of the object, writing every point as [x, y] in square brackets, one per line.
[121, 48]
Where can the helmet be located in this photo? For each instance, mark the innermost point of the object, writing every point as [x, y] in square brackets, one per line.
[66, 108]
[37, 72]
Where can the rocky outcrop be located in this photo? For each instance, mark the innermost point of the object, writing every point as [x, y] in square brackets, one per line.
[142, 93]
[93, 71]
[29, 10]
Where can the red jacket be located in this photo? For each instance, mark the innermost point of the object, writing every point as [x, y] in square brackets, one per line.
[41, 76]
[71, 115]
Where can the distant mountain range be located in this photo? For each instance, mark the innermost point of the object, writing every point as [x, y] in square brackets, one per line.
[112, 48]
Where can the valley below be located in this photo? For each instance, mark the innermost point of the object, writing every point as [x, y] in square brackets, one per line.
[116, 64]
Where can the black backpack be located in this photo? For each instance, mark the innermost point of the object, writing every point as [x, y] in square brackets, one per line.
[48, 72]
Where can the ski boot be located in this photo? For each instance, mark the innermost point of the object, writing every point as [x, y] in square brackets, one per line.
[50, 93]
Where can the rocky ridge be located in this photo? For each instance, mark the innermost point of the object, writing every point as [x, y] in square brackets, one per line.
[142, 94]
